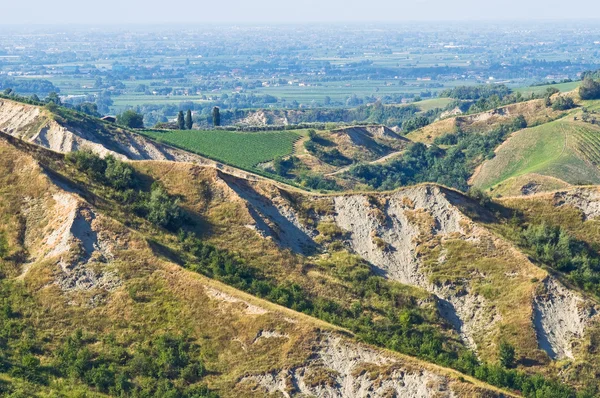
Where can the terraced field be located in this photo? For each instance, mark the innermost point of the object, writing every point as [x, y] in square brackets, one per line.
[565, 149]
[244, 150]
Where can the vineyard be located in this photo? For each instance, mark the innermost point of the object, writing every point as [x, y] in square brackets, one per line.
[244, 150]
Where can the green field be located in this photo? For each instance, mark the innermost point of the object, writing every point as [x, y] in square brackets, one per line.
[244, 150]
[562, 87]
[429, 104]
[564, 149]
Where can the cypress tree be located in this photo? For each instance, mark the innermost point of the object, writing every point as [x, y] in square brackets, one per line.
[216, 116]
[180, 121]
[188, 120]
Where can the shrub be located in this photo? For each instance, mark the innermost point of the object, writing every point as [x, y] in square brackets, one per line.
[283, 166]
[131, 119]
[446, 139]
[109, 171]
[163, 210]
[118, 174]
[563, 103]
[506, 355]
[3, 245]
[415, 123]
[589, 89]
[88, 162]
[519, 123]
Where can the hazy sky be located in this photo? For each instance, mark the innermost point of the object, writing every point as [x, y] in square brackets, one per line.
[260, 11]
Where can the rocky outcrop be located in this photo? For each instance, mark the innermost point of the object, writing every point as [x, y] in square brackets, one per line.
[340, 369]
[386, 235]
[73, 239]
[560, 317]
[585, 199]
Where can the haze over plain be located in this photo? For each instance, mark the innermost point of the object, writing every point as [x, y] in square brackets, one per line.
[274, 11]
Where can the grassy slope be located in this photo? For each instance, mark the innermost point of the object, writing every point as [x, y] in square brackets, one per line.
[157, 296]
[528, 184]
[564, 149]
[244, 150]
[562, 87]
[429, 104]
[534, 111]
[544, 208]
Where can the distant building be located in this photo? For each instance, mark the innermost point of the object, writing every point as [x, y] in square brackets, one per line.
[110, 119]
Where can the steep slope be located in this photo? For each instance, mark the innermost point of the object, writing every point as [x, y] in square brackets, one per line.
[535, 113]
[565, 149]
[426, 236]
[575, 213]
[445, 280]
[65, 131]
[419, 236]
[81, 269]
[367, 143]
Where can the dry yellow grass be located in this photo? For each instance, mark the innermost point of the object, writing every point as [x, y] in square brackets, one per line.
[156, 296]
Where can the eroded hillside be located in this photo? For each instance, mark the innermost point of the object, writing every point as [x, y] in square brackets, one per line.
[82, 270]
[423, 270]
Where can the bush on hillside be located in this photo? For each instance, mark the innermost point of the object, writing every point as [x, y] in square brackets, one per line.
[88, 162]
[131, 119]
[415, 123]
[163, 210]
[589, 89]
[118, 174]
[563, 103]
[109, 171]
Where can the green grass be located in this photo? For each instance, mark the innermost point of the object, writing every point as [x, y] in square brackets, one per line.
[244, 150]
[429, 104]
[564, 149]
[562, 87]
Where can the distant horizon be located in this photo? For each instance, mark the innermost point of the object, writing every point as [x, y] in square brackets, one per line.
[299, 23]
[155, 12]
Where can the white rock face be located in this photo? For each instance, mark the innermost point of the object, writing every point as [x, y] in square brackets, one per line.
[343, 362]
[74, 240]
[560, 316]
[585, 199]
[467, 312]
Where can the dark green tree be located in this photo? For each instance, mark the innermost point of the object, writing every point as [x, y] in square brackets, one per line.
[89, 108]
[131, 119]
[216, 116]
[53, 97]
[589, 89]
[162, 209]
[507, 355]
[563, 103]
[180, 121]
[118, 174]
[188, 120]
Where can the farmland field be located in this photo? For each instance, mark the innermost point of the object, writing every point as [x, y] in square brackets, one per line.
[564, 149]
[427, 105]
[562, 87]
[244, 150]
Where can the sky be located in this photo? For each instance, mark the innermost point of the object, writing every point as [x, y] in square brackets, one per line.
[287, 11]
